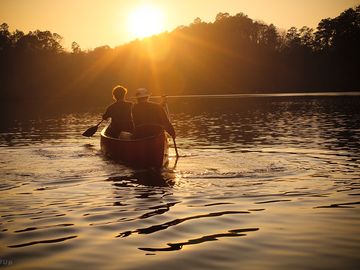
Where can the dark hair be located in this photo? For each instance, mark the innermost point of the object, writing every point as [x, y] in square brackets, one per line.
[119, 92]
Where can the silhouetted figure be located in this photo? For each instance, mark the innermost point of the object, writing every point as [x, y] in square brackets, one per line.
[120, 113]
[149, 117]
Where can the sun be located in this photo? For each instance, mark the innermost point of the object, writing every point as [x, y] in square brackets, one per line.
[145, 21]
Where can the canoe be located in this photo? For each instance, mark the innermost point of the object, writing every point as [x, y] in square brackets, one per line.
[145, 152]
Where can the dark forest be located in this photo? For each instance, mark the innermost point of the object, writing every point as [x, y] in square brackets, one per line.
[233, 54]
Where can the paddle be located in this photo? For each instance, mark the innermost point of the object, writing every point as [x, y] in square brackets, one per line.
[168, 114]
[176, 150]
[92, 130]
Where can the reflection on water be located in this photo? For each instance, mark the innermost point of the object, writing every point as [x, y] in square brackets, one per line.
[147, 177]
[265, 182]
[213, 237]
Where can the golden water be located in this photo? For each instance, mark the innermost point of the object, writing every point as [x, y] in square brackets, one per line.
[262, 183]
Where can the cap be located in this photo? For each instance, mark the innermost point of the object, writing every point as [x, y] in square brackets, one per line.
[142, 92]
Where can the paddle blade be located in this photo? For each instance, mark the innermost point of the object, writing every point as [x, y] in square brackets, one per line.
[90, 131]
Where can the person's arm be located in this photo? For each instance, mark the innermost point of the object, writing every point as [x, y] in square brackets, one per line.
[106, 115]
[167, 124]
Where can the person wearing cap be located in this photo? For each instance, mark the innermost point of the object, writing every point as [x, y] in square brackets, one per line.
[120, 114]
[149, 114]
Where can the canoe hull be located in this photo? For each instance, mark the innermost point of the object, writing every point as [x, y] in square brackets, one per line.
[147, 152]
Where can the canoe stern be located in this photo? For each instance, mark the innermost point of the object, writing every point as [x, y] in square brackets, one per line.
[146, 152]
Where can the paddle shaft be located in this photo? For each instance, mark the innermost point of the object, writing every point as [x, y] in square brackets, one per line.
[176, 150]
[100, 122]
[168, 115]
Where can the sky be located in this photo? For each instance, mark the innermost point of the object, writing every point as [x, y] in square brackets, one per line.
[93, 23]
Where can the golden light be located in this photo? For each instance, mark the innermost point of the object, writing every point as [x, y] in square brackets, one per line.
[145, 21]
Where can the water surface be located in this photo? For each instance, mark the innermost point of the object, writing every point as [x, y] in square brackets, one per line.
[262, 183]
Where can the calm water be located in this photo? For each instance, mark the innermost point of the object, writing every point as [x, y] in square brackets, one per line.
[262, 183]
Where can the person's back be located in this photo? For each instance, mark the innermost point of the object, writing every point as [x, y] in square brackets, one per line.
[120, 114]
[145, 113]
[149, 114]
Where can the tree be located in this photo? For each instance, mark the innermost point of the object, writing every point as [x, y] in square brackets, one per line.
[340, 33]
[324, 34]
[269, 37]
[75, 47]
[307, 37]
[221, 16]
[293, 39]
[39, 41]
[5, 37]
[197, 20]
[17, 35]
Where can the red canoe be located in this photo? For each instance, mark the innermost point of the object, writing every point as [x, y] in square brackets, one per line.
[145, 152]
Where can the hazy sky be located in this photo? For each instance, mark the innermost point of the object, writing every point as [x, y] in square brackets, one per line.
[93, 23]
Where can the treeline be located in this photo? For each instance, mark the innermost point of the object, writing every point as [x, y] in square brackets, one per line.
[233, 54]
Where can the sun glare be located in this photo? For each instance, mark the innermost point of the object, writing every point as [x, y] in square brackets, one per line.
[145, 21]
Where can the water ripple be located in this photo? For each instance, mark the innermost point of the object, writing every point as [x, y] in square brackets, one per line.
[339, 205]
[206, 238]
[43, 242]
[272, 201]
[44, 227]
[156, 228]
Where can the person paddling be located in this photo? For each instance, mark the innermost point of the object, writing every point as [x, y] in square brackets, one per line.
[120, 114]
[149, 117]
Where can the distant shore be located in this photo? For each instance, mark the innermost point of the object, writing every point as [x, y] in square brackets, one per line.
[280, 94]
